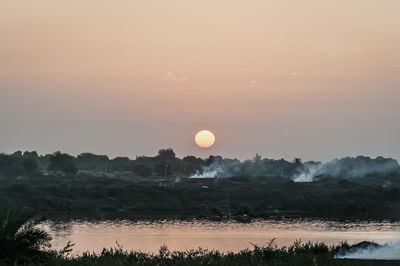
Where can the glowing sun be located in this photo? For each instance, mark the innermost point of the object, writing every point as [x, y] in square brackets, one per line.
[204, 138]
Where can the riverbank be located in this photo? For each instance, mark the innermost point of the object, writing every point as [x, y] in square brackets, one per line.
[148, 236]
[23, 242]
[241, 198]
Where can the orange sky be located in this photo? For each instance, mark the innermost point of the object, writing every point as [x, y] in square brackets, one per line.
[314, 79]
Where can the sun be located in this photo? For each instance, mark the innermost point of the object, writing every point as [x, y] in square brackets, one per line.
[204, 139]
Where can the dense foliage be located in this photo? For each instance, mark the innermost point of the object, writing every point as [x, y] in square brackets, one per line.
[20, 239]
[88, 197]
[164, 164]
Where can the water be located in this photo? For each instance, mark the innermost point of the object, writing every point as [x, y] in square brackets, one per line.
[224, 236]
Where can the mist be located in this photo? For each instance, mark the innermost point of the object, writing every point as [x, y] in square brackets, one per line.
[348, 168]
[226, 168]
[372, 251]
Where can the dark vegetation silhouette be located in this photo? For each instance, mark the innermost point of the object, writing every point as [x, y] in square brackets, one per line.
[298, 254]
[20, 240]
[22, 243]
[94, 186]
[166, 164]
[297, 161]
[62, 162]
[91, 186]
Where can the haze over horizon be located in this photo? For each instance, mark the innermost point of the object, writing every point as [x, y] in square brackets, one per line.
[310, 79]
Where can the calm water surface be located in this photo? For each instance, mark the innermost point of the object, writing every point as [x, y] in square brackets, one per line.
[224, 236]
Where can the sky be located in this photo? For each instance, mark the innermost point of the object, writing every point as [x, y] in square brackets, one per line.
[310, 79]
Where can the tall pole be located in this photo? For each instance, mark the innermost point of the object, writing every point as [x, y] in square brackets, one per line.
[165, 170]
[384, 178]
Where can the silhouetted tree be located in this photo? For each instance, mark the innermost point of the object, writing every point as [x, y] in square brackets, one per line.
[166, 154]
[193, 160]
[62, 162]
[166, 159]
[213, 158]
[33, 154]
[297, 161]
[90, 161]
[17, 153]
[145, 159]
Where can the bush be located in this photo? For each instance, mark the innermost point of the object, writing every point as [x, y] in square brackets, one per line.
[296, 255]
[20, 239]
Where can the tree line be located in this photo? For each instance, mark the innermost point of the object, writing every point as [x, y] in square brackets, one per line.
[164, 164]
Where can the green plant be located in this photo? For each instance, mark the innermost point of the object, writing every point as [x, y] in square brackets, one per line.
[20, 238]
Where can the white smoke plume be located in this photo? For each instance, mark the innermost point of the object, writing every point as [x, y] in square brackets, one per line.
[308, 172]
[219, 168]
[390, 251]
[225, 168]
[347, 168]
[208, 172]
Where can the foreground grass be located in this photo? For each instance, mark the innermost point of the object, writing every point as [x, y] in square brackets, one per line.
[296, 254]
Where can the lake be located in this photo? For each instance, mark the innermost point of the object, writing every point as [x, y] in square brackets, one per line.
[148, 236]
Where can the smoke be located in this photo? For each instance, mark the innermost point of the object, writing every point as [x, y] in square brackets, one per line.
[308, 172]
[225, 168]
[208, 172]
[347, 168]
[372, 251]
[219, 168]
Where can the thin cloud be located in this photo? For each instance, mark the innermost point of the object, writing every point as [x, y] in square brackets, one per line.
[173, 77]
